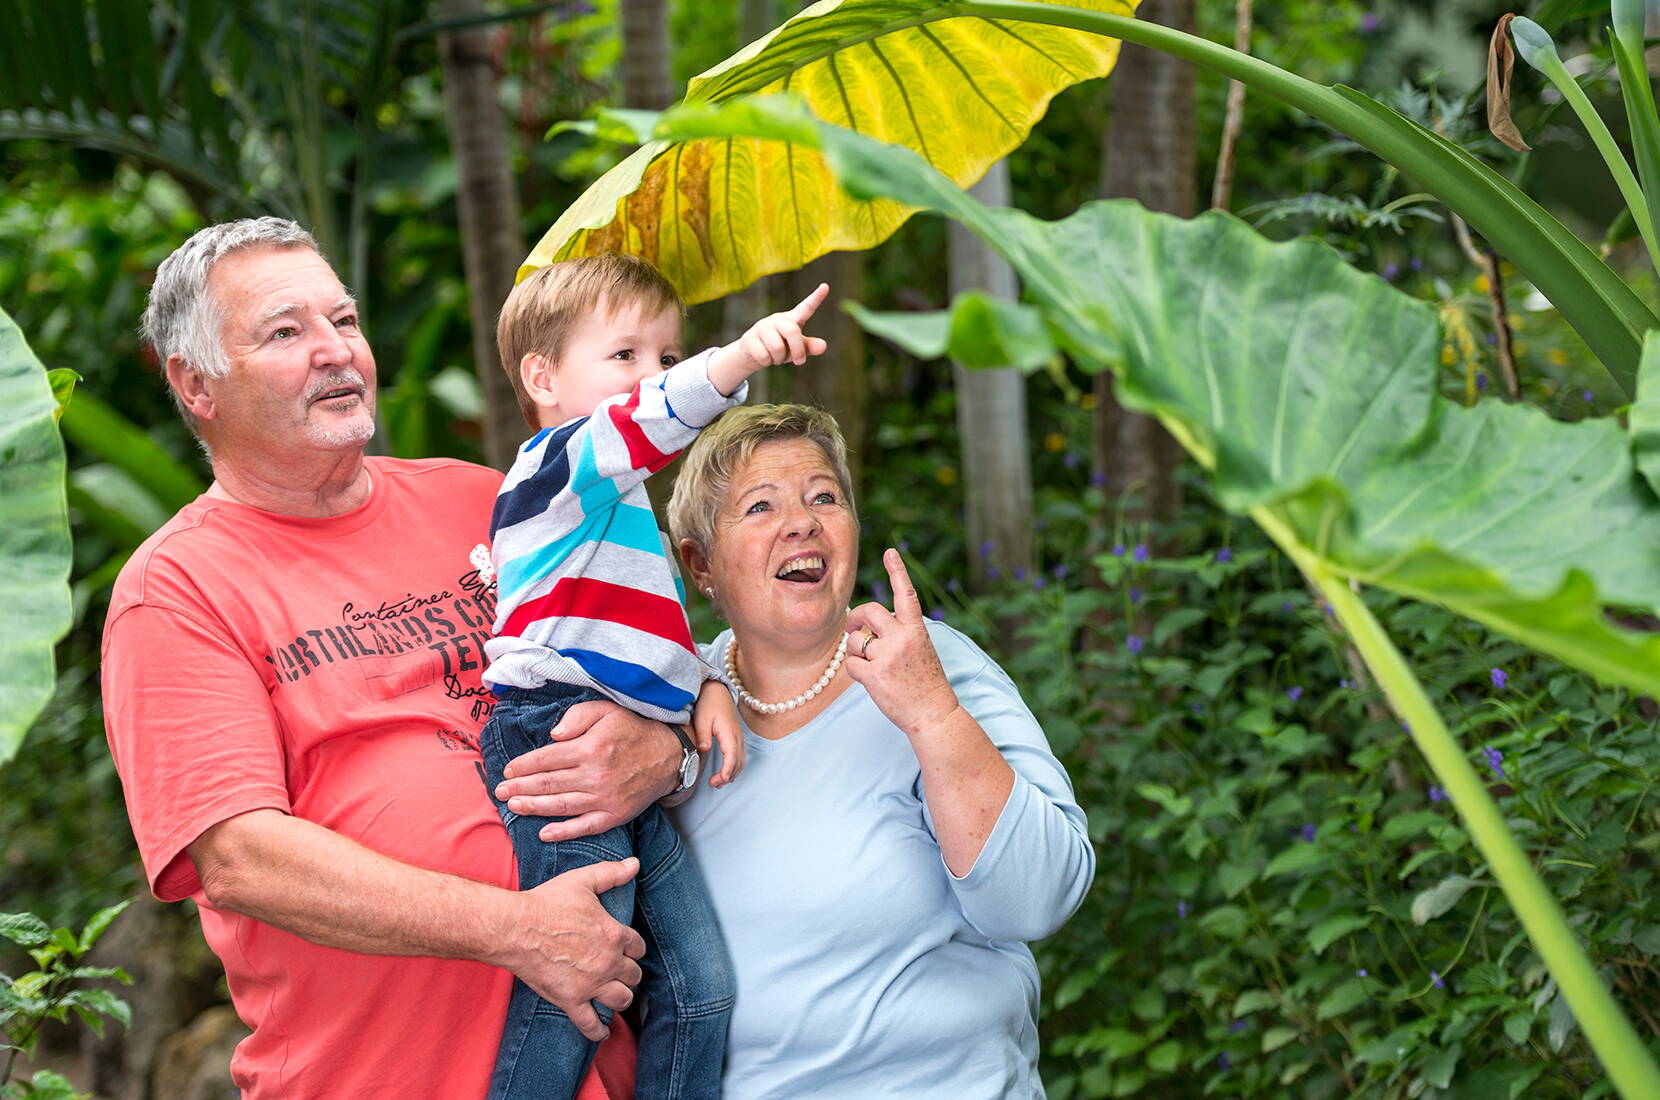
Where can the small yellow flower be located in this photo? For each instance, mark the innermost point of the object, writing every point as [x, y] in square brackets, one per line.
[946, 475]
[1482, 284]
[1519, 347]
[1448, 355]
[1516, 320]
[1054, 441]
[1556, 357]
[1087, 401]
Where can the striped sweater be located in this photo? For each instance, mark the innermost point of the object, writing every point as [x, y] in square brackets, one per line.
[586, 593]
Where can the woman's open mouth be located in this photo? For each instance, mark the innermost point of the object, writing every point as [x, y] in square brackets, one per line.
[802, 569]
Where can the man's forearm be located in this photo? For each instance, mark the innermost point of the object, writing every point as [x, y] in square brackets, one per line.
[297, 875]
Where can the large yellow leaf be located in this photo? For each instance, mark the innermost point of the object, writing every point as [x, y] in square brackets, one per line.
[716, 214]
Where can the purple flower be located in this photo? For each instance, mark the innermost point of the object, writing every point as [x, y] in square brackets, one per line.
[1061, 571]
[1135, 594]
[1294, 692]
[953, 585]
[1481, 382]
[1492, 338]
[1133, 643]
[1286, 606]
[937, 614]
[1072, 460]
[1237, 1026]
[904, 546]
[1390, 271]
[1361, 973]
[1369, 22]
[880, 592]
[1098, 479]
[985, 550]
[1585, 396]
[1308, 833]
[1417, 264]
[1224, 555]
[1118, 550]
[1140, 554]
[1437, 793]
[1181, 909]
[1038, 582]
[1345, 684]
[1223, 1062]
[1327, 608]
[1499, 677]
[1019, 572]
[993, 572]
[1435, 979]
[1495, 760]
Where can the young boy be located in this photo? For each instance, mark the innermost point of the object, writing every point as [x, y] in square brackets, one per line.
[589, 607]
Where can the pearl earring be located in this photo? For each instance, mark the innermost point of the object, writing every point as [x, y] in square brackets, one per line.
[710, 592]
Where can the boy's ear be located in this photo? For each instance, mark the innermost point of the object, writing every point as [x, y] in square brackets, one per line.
[540, 380]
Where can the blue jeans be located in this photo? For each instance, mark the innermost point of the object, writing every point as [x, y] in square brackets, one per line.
[686, 989]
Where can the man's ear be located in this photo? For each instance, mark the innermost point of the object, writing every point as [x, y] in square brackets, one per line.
[190, 385]
[540, 379]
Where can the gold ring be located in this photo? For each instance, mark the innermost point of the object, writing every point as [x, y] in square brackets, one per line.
[869, 637]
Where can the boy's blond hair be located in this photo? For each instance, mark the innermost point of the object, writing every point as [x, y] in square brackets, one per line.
[546, 305]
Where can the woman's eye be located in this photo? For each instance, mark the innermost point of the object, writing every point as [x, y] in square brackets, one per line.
[758, 506]
[826, 497]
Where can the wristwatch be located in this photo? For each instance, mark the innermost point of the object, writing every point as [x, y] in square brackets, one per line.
[689, 763]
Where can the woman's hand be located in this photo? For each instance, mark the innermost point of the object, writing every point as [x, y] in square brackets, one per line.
[890, 653]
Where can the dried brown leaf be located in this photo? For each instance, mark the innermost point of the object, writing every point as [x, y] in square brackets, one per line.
[1501, 58]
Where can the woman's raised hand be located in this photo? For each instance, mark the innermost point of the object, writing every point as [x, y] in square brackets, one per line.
[890, 653]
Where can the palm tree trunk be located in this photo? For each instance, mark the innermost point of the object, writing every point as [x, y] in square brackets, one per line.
[1150, 155]
[743, 308]
[991, 414]
[647, 71]
[489, 209]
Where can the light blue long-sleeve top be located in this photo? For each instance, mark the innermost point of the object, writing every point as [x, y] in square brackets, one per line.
[865, 968]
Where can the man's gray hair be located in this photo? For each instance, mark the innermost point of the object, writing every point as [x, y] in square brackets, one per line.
[182, 317]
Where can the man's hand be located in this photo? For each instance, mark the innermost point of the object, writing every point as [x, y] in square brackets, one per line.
[605, 765]
[562, 943]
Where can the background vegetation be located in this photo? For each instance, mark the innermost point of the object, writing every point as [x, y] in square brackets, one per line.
[1286, 904]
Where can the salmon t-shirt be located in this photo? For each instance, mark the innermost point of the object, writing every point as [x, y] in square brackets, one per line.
[327, 668]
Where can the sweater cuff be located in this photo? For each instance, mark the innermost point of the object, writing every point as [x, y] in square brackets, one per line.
[692, 398]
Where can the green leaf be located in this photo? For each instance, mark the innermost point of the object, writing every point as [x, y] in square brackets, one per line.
[1341, 999]
[1561, 1022]
[1165, 1057]
[1441, 897]
[104, 1002]
[34, 537]
[1644, 418]
[1333, 928]
[99, 923]
[1407, 826]
[1438, 1067]
[717, 211]
[1647, 939]
[24, 929]
[1276, 1037]
[62, 380]
[91, 424]
[1173, 804]
[980, 331]
[1253, 999]
[1300, 856]
[1234, 877]
[1517, 1025]
[46, 1085]
[1177, 621]
[1227, 921]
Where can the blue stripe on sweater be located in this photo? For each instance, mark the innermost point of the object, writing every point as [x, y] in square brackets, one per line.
[630, 679]
[625, 525]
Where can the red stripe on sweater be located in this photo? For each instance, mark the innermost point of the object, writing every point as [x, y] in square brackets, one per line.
[586, 598]
[641, 454]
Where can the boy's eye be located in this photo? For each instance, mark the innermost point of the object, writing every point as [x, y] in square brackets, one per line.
[670, 360]
[626, 353]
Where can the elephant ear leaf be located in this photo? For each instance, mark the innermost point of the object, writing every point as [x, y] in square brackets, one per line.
[717, 212]
[1308, 390]
[34, 537]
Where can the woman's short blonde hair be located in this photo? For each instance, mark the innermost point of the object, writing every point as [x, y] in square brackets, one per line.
[727, 444]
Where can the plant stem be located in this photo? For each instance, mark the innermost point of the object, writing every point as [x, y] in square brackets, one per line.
[1610, 1034]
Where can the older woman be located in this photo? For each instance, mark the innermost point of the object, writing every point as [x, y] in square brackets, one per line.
[902, 825]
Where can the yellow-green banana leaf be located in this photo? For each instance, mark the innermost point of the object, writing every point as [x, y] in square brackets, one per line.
[716, 214]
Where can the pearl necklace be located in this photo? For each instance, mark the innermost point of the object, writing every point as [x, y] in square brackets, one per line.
[790, 704]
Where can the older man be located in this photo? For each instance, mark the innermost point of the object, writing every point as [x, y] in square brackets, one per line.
[292, 696]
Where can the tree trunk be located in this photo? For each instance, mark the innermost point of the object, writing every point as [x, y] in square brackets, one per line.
[647, 69]
[991, 414]
[489, 209]
[836, 380]
[1150, 155]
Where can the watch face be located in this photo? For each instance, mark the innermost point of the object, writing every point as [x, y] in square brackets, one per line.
[688, 769]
